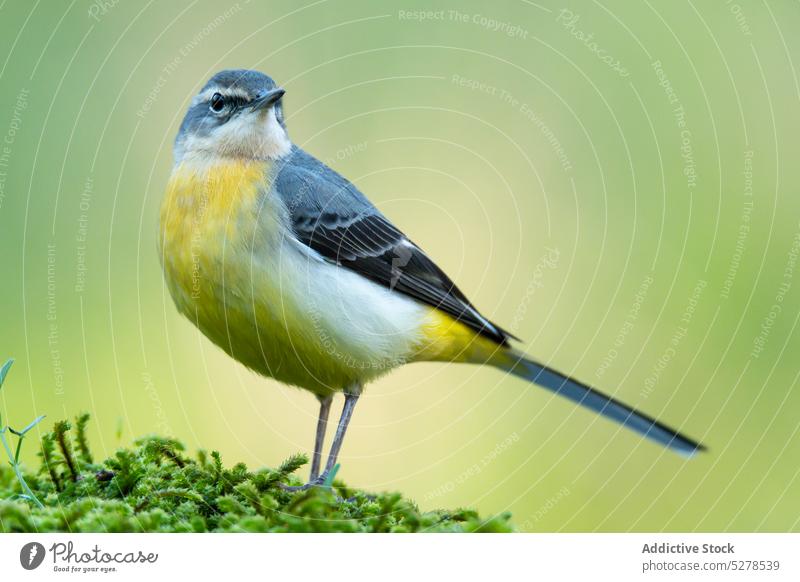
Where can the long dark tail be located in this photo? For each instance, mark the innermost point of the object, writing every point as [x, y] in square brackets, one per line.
[587, 396]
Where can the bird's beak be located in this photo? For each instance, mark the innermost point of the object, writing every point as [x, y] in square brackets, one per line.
[268, 100]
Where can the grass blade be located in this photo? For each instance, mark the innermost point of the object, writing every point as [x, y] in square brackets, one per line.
[4, 371]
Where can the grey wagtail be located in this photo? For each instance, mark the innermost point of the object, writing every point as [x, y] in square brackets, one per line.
[286, 266]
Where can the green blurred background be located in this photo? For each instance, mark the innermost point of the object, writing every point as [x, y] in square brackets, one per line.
[615, 182]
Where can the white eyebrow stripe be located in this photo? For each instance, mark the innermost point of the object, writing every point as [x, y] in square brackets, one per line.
[224, 91]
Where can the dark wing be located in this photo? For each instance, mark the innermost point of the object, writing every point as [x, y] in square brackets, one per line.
[332, 217]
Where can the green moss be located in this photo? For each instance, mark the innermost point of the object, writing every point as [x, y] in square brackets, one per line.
[156, 487]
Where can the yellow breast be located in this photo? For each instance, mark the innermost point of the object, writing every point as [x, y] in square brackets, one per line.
[224, 264]
[201, 200]
[208, 213]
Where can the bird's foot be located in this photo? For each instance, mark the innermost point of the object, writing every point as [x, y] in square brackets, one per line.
[325, 480]
[318, 482]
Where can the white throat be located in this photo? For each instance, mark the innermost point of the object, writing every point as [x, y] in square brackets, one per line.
[251, 136]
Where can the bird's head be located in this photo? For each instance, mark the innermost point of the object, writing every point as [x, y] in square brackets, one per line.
[237, 115]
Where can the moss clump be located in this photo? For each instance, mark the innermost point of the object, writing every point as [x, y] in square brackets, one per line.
[156, 487]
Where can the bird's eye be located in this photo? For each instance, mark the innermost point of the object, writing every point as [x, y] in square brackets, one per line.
[217, 102]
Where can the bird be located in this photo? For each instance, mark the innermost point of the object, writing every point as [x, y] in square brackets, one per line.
[291, 270]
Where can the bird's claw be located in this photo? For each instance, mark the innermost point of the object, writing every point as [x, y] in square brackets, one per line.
[318, 482]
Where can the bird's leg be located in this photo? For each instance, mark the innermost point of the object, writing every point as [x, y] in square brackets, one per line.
[350, 398]
[322, 424]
